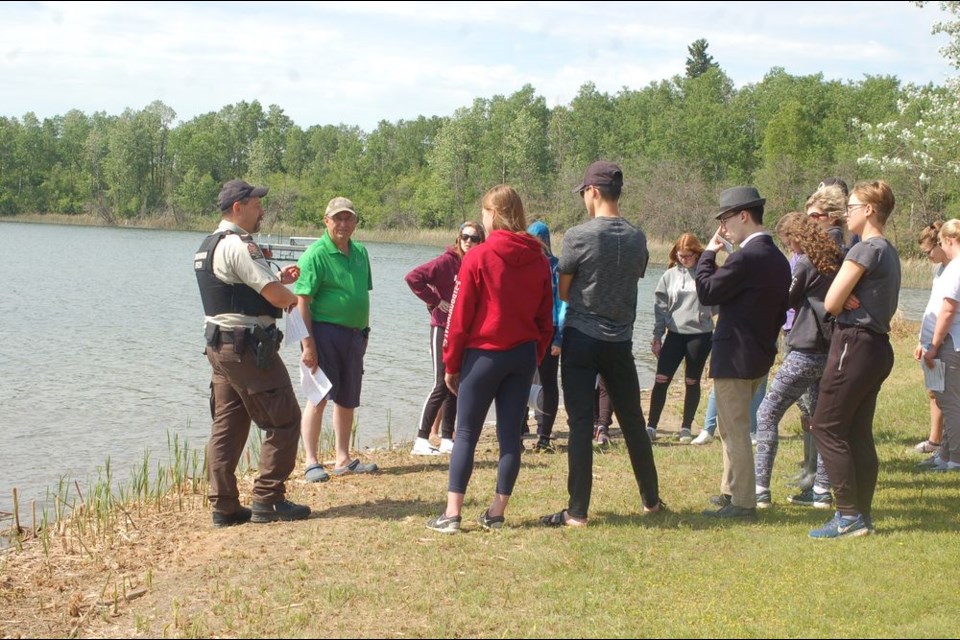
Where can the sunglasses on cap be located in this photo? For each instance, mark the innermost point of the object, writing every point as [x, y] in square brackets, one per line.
[471, 238]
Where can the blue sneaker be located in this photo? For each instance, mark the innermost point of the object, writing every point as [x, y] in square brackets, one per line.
[842, 526]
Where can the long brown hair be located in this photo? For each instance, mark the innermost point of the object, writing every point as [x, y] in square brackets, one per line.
[457, 245]
[813, 241]
[507, 208]
[687, 241]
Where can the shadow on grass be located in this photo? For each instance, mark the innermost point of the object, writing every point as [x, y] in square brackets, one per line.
[442, 463]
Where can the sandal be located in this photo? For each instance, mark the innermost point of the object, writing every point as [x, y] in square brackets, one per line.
[560, 519]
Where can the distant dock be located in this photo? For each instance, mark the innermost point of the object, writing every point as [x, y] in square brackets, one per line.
[284, 248]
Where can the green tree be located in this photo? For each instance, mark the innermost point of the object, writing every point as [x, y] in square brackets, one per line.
[698, 60]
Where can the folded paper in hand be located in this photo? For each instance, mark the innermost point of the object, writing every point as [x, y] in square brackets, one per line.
[295, 330]
[933, 378]
[315, 384]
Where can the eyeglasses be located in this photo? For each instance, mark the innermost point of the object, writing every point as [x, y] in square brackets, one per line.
[466, 237]
[723, 219]
[817, 215]
[686, 256]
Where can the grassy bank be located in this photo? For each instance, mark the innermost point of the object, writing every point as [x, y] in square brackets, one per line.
[364, 566]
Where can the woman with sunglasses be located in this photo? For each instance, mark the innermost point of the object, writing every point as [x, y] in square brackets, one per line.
[433, 282]
[863, 298]
[827, 207]
[501, 325]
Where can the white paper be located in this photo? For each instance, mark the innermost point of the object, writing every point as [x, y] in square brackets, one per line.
[295, 330]
[933, 378]
[315, 385]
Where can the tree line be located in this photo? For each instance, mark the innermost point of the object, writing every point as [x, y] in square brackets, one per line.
[680, 141]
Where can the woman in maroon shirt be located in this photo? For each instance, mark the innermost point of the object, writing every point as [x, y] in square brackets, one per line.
[433, 283]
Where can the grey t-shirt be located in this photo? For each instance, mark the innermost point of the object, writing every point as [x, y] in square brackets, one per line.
[606, 257]
[878, 289]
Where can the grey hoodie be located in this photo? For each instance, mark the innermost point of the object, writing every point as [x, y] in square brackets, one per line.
[676, 306]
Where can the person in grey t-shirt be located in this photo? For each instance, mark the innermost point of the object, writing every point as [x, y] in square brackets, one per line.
[860, 359]
[601, 263]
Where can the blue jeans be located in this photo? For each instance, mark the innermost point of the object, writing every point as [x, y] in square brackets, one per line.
[710, 420]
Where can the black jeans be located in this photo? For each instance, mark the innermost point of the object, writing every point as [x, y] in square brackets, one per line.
[583, 358]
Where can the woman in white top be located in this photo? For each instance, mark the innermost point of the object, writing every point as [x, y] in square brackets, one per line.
[940, 340]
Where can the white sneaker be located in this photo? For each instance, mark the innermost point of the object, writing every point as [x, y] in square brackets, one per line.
[446, 445]
[703, 437]
[927, 447]
[422, 448]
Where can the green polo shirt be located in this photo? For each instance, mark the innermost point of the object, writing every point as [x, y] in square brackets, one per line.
[339, 285]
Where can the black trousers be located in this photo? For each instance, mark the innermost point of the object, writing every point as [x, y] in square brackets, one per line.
[858, 363]
[583, 358]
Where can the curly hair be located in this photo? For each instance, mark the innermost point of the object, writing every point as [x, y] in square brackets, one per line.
[687, 241]
[813, 241]
[832, 201]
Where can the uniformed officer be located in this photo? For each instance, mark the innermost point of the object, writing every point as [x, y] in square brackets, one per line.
[242, 298]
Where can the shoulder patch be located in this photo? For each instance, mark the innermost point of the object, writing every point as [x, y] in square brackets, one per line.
[254, 250]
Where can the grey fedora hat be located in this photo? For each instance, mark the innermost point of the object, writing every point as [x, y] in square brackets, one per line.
[738, 199]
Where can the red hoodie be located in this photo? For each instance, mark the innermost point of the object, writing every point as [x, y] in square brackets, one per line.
[503, 298]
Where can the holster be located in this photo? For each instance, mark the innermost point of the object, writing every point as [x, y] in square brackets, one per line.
[268, 343]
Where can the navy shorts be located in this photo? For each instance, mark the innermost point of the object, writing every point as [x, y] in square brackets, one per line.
[340, 352]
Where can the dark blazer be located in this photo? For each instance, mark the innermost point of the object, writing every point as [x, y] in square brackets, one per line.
[751, 290]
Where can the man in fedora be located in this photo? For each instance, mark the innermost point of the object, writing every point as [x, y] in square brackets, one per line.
[750, 289]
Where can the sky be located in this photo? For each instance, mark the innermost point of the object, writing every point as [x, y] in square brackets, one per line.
[358, 63]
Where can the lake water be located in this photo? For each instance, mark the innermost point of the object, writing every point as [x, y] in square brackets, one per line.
[101, 352]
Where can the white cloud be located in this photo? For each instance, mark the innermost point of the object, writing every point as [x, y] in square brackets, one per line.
[359, 63]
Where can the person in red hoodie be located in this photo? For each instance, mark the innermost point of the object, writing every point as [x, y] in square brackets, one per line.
[433, 283]
[499, 328]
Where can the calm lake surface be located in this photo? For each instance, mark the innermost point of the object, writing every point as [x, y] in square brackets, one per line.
[101, 352]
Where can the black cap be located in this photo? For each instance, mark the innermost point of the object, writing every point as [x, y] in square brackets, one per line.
[237, 190]
[601, 174]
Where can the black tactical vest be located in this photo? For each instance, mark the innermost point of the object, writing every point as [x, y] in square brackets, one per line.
[219, 297]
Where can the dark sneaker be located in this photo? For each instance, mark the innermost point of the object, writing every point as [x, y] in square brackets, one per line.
[543, 444]
[443, 524]
[240, 516]
[764, 501]
[810, 498]
[732, 511]
[686, 436]
[721, 500]
[490, 522]
[841, 526]
[283, 510]
[354, 467]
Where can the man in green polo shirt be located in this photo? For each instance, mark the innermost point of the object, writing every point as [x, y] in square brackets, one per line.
[334, 299]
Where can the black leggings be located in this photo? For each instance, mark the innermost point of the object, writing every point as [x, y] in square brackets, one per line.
[503, 377]
[693, 348]
[439, 396]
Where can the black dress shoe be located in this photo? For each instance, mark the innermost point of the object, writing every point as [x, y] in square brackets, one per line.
[721, 500]
[239, 516]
